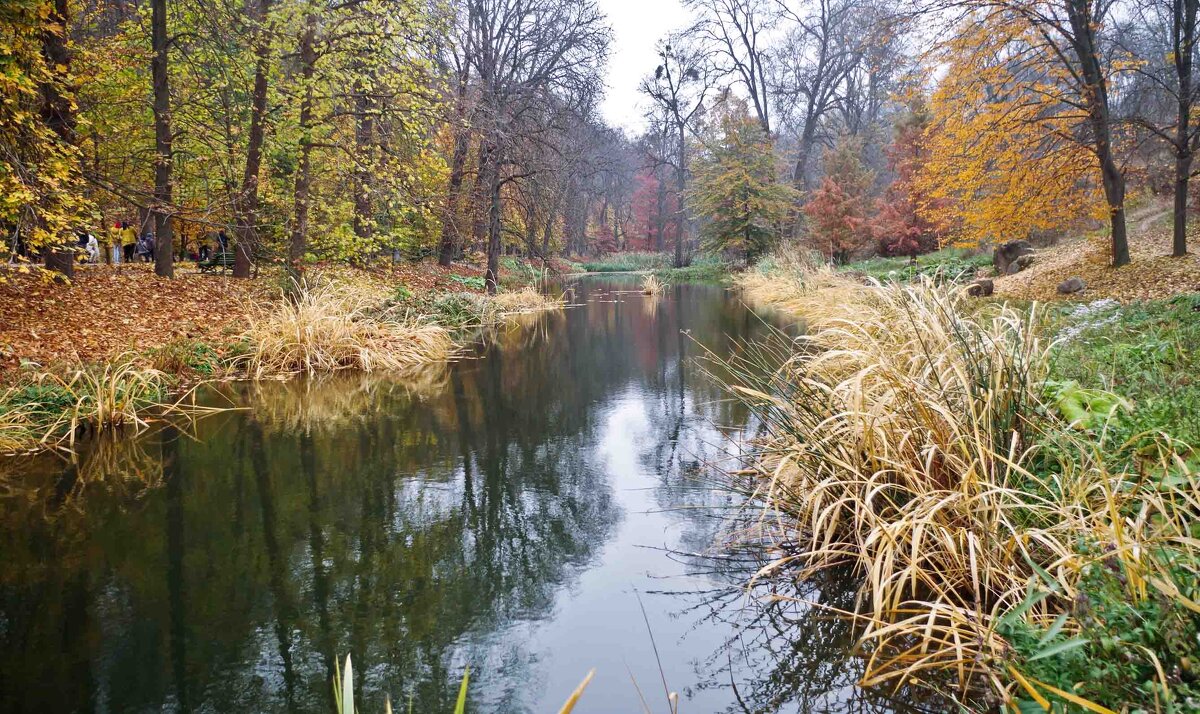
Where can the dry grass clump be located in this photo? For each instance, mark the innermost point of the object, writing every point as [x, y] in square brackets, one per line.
[907, 437]
[50, 409]
[801, 292]
[325, 328]
[527, 299]
[652, 286]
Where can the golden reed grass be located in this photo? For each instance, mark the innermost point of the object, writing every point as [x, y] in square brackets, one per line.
[326, 328]
[652, 286]
[906, 436]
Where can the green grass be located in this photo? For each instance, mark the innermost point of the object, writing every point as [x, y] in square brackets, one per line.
[627, 262]
[1139, 363]
[704, 269]
[950, 263]
[1148, 353]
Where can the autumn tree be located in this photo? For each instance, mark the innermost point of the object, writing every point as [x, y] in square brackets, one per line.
[41, 193]
[839, 211]
[902, 225]
[736, 193]
[1003, 162]
[1059, 47]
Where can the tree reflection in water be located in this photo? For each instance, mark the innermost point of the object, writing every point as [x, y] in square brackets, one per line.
[496, 513]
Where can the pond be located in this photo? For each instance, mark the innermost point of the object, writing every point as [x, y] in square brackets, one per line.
[533, 511]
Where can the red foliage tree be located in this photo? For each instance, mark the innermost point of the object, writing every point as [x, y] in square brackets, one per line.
[654, 207]
[838, 210]
[899, 226]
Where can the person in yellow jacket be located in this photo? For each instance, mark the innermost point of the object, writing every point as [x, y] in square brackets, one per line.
[129, 239]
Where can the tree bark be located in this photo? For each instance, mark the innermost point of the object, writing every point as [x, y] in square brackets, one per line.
[58, 109]
[298, 245]
[492, 276]
[660, 218]
[164, 253]
[247, 204]
[364, 134]
[1095, 91]
[681, 187]
[1184, 35]
[448, 246]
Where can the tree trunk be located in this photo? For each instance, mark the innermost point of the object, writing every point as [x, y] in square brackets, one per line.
[681, 186]
[364, 133]
[1095, 91]
[458, 166]
[164, 254]
[299, 239]
[547, 234]
[58, 109]
[1183, 170]
[660, 218]
[247, 203]
[1184, 31]
[490, 171]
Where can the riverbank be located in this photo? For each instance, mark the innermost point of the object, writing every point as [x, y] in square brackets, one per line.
[1014, 485]
[118, 343]
[702, 269]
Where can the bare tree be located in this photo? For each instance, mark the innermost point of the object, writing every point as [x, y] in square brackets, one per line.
[819, 51]
[679, 85]
[525, 52]
[736, 30]
[1163, 100]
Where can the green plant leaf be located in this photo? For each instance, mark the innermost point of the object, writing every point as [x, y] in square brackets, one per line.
[460, 707]
[1060, 647]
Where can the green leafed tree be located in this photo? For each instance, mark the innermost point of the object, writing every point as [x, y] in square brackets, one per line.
[735, 192]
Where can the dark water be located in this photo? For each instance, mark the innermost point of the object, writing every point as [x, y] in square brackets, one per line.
[505, 513]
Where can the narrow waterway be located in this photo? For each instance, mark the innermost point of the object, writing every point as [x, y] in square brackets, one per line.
[535, 511]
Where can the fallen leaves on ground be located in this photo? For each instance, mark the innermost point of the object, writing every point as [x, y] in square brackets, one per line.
[108, 310]
[1152, 274]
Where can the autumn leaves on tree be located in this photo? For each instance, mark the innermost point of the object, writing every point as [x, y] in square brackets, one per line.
[370, 129]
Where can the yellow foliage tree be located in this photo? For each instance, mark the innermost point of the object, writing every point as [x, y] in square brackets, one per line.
[1003, 162]
[41, 199]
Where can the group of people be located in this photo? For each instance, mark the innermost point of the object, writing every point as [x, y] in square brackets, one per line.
[127, 246]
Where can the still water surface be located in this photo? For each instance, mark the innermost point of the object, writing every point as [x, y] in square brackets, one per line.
[514, 513]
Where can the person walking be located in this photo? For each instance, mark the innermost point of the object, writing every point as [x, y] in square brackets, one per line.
[145, 246]
[222, 242]
[129, 240]
[92, 248]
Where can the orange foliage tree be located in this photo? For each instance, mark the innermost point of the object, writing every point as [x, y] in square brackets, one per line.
[1003, 162]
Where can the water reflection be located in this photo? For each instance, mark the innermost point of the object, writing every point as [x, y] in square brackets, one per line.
[503, 513]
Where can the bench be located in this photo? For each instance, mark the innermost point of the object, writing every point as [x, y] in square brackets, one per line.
[224, 261]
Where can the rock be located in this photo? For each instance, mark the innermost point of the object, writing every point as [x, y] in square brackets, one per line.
[1070, 286]
[1004, 255]
[1024, 261]
[981, 288]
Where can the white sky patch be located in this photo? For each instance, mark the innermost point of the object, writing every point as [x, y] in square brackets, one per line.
[637, 25]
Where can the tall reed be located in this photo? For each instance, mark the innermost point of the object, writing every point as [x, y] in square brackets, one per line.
[906, 436]
[325, 328]
[51, 408]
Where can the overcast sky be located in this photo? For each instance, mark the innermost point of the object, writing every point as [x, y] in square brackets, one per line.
[637, 25]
